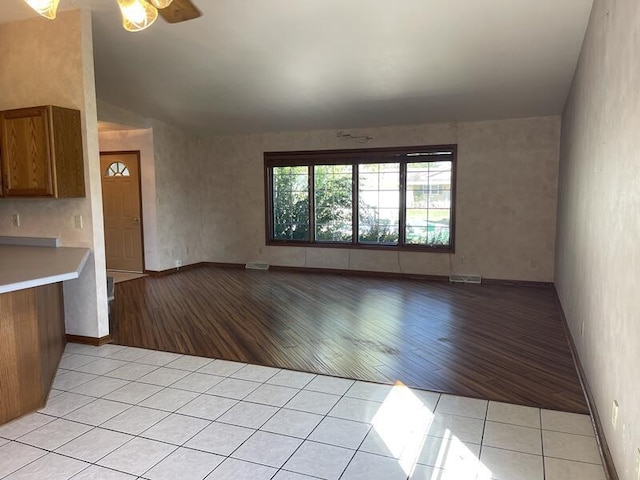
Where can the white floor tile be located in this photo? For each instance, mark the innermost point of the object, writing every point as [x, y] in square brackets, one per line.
[208, 407]
[159, 358]
[567, 422]
[135, 420]
[267, 449]
[15, 456]
[105, 350]
[100, 387]
[55, 434]
[369, 391]
[320, 460]
[366, 466]
[291, 378]
[313, 402]
[466, 429]
[175, 429]
[284, 475]
[71, 379]
[133, 393]
[557, 469]
[514, 414]
[355, 409]
[223, 368]
[75, 360]
[463, 406]
[24, 425]
[402, 443]
[101, 366]
[512, 437]
[273, 395]
[341, 433]
[332, 385]
[131, 371]
[428, 399]
[169, 399]
[137, 456]
[251, 415]
[449, 453]
[163, 376]
[232, 469]
[94, 444]
[292, 422]
[185, 464]
[197, 382]
[510, 465]
[95, 472]
[51, 467]
[233, 388]
[97, 412]
[128, 354]
[255, 373]
[220, 438]
[579, 448]
[425, 472]
[64, 403]
[189, 362]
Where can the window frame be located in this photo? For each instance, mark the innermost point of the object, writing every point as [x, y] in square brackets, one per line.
[355, 157]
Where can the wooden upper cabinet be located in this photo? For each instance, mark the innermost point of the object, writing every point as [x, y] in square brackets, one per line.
[41, 153]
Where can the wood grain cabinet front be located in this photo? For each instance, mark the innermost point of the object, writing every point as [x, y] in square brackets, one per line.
[41, 153]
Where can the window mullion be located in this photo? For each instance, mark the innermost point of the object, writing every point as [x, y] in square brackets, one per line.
[312, 205]
[403, 203]
[354, 203]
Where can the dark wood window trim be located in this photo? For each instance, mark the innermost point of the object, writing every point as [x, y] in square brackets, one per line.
[356, 157]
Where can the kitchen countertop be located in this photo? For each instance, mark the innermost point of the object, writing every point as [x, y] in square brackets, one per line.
[27, 267]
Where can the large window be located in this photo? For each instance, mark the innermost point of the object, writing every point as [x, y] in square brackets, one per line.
[373, 198]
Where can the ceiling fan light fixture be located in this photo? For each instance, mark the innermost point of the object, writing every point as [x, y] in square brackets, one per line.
[160, 4]
[46, 8]
[137, 14]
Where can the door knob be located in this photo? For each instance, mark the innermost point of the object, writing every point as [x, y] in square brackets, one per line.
[136, 219]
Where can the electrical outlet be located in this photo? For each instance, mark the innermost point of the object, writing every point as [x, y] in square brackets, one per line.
[178, 263]
[15, 220]
[614, 415]
[77, 221]
[462, 259]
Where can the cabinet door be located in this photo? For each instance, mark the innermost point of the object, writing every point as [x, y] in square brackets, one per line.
[26, 153]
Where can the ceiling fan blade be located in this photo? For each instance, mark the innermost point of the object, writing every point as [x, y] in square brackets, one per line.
[180, 11]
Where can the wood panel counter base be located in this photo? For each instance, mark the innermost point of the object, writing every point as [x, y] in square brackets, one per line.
[32, 341]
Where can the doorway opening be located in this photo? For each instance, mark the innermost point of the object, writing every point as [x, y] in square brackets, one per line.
[122, 208]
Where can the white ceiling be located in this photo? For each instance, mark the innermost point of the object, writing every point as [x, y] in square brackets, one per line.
[278, 65]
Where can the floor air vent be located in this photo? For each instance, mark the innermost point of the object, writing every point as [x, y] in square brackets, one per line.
[465, 278]
[256, 266]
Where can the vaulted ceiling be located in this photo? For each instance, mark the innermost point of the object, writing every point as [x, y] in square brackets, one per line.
[277, 65]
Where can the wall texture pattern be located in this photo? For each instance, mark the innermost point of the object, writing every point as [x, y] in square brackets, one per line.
[598, 256]
[43, 63]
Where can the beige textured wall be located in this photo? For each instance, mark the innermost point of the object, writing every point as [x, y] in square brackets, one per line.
[506, 199]
[44, 62]
[174, 187]
[598, 257]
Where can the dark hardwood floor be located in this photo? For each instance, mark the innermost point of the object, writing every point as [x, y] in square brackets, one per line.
[503, 343]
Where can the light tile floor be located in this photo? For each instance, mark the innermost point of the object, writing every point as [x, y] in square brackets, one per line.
[120, 413]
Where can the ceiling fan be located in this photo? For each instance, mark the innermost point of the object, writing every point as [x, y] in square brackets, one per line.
[136, 14]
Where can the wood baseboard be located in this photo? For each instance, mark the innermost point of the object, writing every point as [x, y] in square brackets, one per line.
[170, 271]
[607, 459]
[96, 342]
[354, 273]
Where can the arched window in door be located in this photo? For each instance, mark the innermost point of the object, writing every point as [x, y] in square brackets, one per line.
[117, 169]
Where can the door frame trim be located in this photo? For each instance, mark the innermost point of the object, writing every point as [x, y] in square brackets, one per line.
[137, 154]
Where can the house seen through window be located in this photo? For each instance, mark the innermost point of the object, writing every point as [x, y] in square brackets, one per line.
[397, 197]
